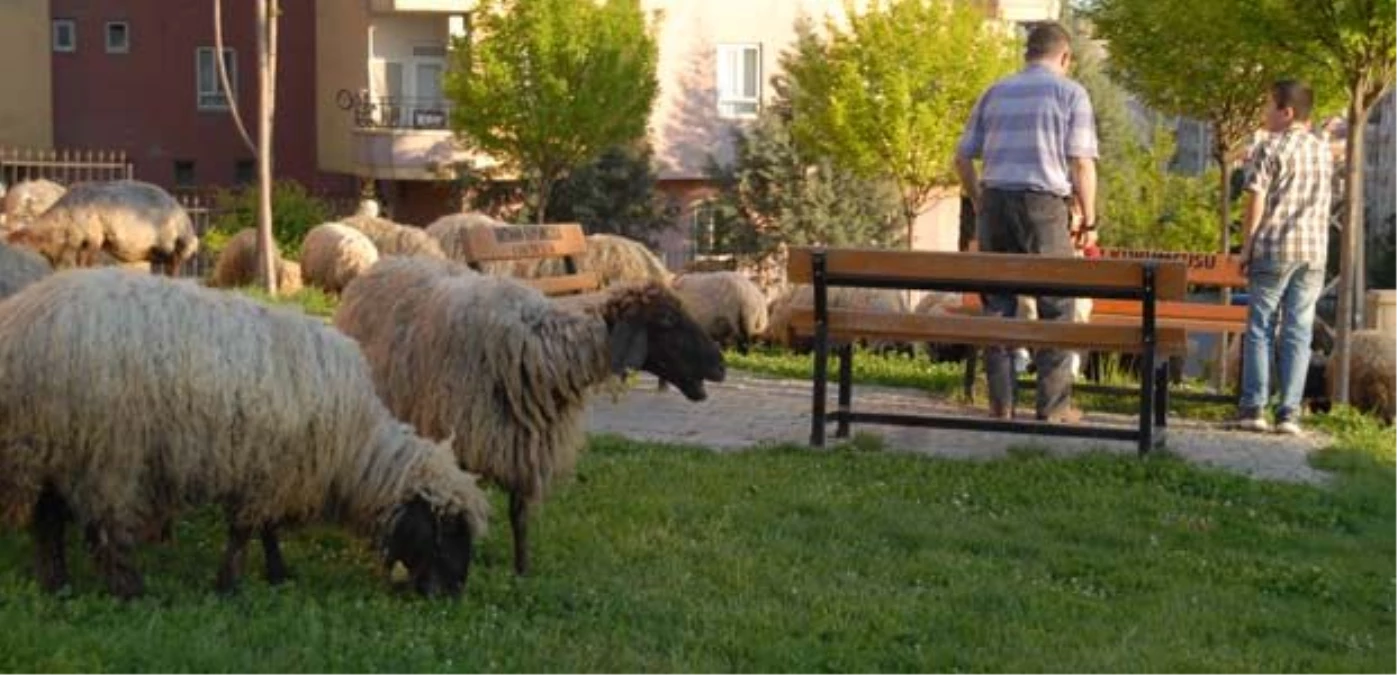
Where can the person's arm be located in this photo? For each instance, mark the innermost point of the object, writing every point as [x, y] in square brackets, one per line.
[970, 146]
[1081, 154]
[1254, 201]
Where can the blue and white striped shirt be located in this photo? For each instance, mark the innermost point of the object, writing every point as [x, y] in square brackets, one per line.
[1026, 127]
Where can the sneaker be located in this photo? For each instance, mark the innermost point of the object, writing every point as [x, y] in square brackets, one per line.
[1288, 426]
[1250, 420]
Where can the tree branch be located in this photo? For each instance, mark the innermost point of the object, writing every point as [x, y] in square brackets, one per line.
[223, 77]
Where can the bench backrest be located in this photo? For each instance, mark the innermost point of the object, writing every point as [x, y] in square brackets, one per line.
[981, 272]
[532, 242]
[1204, 269]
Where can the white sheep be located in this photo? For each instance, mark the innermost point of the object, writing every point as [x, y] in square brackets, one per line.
[727, 304]
[493, 362]
[131, 221]
[332, 255]
[238, 265]
[27, 199]
[392, 238]
[165, 395]
[20, 267]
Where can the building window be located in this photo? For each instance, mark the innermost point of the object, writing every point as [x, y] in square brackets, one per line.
[210, 87]
[184, 173]
[65, 35]
[118, 37]
[702, 230]
[739, 80]
[244, 172]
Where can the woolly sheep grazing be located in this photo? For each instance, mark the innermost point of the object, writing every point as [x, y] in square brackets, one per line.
[616, 259]
[26, 200]
[333, 255]
[1372, 370]
[452, 232]
[390, 238]
[166, 395]
[238, 265]
[19, 268]
[840, 297]
[130, 220]
[496, 364]
[727, 304]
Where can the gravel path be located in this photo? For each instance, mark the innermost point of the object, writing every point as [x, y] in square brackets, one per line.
[748, 410]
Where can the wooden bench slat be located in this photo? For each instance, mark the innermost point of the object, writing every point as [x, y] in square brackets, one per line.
[554, 240]
[852, 324]
[1204, 269]
[582, 282]
[1174, 310]
[1189, 325]
[917, 266]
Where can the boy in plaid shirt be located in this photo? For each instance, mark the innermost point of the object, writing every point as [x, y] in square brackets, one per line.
[1286, 220]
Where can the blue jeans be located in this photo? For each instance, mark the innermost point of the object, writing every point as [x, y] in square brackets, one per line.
[1292, 288]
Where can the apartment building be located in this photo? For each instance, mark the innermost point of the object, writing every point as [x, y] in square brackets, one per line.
[359, 92]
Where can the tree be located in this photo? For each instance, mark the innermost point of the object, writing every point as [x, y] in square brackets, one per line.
[889, 94]
[1355, 41]
[547, 85]
[774, 194]
[1189, 58]
[267, 12]
[614, 194]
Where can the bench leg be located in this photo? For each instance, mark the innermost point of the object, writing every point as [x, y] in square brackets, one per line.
[846, 386]
[1147, 401]
[1161, 397]
[817, 411]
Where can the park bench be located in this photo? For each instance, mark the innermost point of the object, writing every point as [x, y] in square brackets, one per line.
[512, 243]
[1205, 270]
[1148, 282]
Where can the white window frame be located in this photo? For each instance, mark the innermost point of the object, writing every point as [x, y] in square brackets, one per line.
[200, 92]
[107, 37]
[730, 92]
[72, 45]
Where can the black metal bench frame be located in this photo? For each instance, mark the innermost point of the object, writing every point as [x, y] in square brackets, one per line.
[1153, 390]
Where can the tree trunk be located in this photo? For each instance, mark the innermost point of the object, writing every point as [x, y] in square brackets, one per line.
[1225, 218]
[545, 192]
[266, 248]
[1353, 230]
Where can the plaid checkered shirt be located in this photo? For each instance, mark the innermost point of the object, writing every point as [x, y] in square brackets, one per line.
[1293, 169]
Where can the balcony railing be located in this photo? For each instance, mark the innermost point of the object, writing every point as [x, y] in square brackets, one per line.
[397, 112]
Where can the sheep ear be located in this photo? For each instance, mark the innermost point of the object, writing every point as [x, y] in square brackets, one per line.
[628, 344]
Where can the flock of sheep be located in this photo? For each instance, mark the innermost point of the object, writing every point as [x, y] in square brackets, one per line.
[127, 397]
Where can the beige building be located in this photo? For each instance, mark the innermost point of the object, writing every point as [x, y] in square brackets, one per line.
[26, 107]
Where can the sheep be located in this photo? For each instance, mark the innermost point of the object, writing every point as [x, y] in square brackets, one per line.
[1315, 394]
[616, 259]
[390, 238]
[839, 297]
[727, 304]
[25, 201]
[165, 394]
[19, 268]
[1372, 369]
[333, 254]
[937, 303]
[452, 231]
[238, 265]
[507, 372]
[130, 220]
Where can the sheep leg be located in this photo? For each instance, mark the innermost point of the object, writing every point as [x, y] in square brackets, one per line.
[271, 548]
[518, 521]
[232, 567]
[51, 517]
[111, 548]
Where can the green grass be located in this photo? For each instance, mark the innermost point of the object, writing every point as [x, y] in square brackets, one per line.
[945, 380]
[312, 301]
[677, 559]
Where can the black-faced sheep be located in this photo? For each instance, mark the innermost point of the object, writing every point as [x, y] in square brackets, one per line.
[506, 371]
[131, 221]
[391, 238]
[333, 255]
[20, 267]
[238, 265]
[1372, 370]
[124, 397]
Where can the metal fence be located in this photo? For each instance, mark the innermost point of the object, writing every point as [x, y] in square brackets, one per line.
[64, 166]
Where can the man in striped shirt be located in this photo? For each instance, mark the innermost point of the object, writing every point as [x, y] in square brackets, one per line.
[1286, 220]
[1036, 133]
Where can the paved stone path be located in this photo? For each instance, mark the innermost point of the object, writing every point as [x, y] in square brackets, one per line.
[749, 410]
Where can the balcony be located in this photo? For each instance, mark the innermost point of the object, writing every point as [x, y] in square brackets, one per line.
[400, 112]
[434, 6]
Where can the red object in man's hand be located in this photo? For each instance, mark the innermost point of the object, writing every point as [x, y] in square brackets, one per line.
[1092, 251]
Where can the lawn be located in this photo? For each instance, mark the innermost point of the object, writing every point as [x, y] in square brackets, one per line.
[679, 559]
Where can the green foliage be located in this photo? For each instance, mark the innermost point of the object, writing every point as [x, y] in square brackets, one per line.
[312, 301]
[774, 194]
[889, 94]
[544, 86]
[614, 194]
[294, 212]
[1354, 42]
[1196, 58]
[670, 559]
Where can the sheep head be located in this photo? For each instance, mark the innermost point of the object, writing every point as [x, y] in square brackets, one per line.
[436, 548]
[650, 330]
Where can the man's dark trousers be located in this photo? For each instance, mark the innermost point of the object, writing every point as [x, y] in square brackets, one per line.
[1026, 222]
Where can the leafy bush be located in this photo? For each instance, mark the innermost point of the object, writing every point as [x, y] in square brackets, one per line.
[294, 212]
